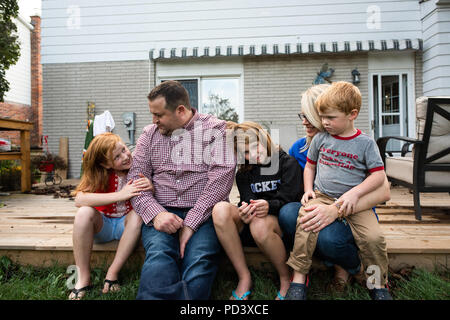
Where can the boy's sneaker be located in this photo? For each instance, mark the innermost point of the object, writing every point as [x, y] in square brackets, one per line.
[297, 291]
[380, 294]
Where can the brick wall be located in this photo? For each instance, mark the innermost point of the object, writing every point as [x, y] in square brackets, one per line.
[32, 113]
[273, 86]
[16, 111]
[36, 81]
[115, 86]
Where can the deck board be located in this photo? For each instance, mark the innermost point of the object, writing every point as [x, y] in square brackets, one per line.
[42, 225]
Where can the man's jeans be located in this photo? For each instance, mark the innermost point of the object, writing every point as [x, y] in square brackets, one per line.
[166, 276]
[335, 244]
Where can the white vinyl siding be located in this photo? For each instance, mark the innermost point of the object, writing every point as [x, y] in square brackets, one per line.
[436, 49]
[100, 30]
[19, 75]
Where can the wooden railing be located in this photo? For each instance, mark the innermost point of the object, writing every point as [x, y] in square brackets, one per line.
[24, 155]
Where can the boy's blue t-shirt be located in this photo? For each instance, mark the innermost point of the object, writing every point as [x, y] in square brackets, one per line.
[296, 151]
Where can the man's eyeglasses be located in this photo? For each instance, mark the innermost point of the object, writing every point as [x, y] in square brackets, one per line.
[302, 117]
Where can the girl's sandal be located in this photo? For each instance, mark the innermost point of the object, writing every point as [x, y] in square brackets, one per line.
[280, 296]
[236, 297]
[79, 294]
[113, 286]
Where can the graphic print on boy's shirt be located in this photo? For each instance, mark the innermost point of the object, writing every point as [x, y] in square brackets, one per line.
[342, 163]
[337, 158]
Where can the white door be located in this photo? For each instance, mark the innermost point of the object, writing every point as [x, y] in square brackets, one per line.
[392, 107]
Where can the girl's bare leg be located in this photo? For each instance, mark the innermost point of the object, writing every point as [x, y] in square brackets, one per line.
[127, 243]
[88, 222]
[267, 234]
[228, 224]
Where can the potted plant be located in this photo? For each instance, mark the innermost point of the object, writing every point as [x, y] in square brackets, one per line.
[47, 162]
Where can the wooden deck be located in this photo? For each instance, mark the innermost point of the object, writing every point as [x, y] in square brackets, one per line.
[37, 230]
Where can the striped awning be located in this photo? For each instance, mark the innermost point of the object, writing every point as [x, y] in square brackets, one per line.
[287, 48]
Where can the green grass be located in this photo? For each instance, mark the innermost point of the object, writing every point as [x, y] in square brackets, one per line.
[32, 283]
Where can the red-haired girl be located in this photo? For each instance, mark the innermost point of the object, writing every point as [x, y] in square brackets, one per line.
[105, 212]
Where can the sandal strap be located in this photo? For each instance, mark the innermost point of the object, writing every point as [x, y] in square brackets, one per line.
[78, 291]
[280, 296]
[241, 297]
[111, 282]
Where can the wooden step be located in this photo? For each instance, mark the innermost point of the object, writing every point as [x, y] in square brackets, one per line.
[37, 229]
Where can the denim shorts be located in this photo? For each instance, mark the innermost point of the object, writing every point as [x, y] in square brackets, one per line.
[112, 229]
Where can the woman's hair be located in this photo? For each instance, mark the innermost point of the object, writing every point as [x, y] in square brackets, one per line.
[100, 151]
[308, 108]
[247, 132]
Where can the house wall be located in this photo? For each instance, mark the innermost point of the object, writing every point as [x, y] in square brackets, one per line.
[115, 86]
[273, 86]
[436, 47]
[418, 73]
[115, 30]
[23, 100]
[19, 75]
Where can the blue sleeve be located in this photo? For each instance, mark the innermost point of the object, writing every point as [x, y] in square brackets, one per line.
[292, 148]
[294, 151]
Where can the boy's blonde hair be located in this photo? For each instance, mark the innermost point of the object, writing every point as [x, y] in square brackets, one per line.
[342, 96]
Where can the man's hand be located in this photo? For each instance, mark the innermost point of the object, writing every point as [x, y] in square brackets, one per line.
[167, 222]
[185, 234]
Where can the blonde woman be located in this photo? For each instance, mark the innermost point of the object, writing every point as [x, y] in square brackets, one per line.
[335, 245]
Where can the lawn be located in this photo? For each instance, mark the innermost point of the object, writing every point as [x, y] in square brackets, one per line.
[32, 283]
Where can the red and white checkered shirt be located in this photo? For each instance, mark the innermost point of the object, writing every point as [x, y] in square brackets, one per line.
[189, 169]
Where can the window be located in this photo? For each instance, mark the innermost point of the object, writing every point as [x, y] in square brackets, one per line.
[219, 96]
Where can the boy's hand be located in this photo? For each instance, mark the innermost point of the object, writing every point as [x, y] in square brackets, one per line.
[308, 194]
[262, 207]
[347, 203]
[247, 212]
